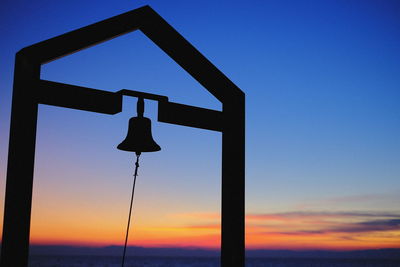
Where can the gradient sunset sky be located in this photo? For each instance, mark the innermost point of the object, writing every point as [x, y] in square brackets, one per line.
[322, 81]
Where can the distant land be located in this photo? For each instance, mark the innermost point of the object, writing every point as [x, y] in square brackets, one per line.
[389, 253]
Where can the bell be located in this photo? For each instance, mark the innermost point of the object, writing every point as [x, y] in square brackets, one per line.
[139, 138]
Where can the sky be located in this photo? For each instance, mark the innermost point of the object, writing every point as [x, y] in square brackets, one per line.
[322, 88]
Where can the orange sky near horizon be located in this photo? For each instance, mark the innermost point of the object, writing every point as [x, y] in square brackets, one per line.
[291, 230]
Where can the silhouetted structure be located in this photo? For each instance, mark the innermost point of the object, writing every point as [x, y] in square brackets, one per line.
[29, 91]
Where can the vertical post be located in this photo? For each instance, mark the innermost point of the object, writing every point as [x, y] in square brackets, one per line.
[21, 153]
[233, 183]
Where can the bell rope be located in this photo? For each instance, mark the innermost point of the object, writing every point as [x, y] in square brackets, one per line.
[130, 208]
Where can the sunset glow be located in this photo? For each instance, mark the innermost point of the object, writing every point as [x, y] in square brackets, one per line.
[321, 80]
[291, 230]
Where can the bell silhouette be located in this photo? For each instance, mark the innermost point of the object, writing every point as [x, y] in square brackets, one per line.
[139, 138]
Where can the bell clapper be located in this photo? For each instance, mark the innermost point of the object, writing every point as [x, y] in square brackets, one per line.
[137, 163]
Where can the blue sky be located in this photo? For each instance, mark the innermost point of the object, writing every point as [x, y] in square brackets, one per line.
[322, 89]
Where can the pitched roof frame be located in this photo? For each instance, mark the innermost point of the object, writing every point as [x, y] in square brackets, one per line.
[157, 30]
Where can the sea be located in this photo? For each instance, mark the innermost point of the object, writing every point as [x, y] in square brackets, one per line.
[113, 261]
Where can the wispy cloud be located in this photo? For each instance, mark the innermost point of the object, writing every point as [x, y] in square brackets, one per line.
[371, 226]
[328, 222]
[379, 200]
[357, 201]
[308, 229]
[284, 216]
[364, 198]
[197, 215]
[204, 227]
[358, 227]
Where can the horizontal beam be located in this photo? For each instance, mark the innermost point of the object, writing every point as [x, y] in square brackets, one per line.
[88, 99]
[77, 97]
[190, 116]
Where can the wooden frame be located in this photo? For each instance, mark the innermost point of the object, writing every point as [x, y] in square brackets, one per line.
[29, 91]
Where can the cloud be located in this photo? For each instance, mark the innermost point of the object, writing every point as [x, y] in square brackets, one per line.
[360, 227]
[197, 215]
[377, 200]
[305, 223]
[314, 223]
[297, 229]
[371, 226]
[204, 227]
[284, 216]
[363, 198]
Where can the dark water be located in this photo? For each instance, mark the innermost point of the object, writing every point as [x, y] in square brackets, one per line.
[107, 261]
